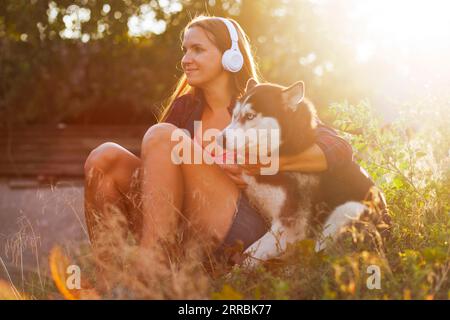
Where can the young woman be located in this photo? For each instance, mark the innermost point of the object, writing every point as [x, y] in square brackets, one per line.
[207, 198]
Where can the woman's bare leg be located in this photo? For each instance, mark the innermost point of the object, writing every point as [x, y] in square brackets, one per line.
[109, 173]
[203, 192]
[209, 202]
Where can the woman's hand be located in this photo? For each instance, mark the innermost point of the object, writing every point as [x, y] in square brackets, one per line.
[234, 172]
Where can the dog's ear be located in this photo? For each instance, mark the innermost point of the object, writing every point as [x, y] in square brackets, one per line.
[293, 95]
[251, 83]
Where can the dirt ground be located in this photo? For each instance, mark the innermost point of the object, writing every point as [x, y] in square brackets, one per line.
[34, 218]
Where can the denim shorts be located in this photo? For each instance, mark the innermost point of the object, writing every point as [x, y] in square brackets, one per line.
[247, 227]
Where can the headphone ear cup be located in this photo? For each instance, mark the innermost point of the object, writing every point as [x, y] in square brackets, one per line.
[232, 60]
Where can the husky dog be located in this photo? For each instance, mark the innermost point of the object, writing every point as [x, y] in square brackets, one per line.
[288, 199]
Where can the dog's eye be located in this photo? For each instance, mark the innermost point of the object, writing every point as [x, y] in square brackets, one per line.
[250, 116]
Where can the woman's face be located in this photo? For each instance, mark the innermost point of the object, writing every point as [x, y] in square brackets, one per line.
[202, 60]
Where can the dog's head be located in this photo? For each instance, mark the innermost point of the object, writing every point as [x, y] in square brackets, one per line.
[270, 107]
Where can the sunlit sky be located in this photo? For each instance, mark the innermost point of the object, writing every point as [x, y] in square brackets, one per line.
[416, 35]
[410, 23]
[407, 26]
[404, 43]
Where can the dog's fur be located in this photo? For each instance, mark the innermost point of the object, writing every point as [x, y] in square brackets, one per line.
[288, 200]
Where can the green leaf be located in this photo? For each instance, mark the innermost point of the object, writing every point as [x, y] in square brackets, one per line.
[435, 254]
[398, 182]
[420, 154]
[227, 293]
[404, 165]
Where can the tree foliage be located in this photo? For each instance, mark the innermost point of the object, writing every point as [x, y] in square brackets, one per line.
[49, 77]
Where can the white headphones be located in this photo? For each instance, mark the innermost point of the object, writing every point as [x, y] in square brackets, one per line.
[232, 59]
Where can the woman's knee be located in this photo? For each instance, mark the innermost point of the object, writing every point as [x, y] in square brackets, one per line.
[157, 135]
[103, 157]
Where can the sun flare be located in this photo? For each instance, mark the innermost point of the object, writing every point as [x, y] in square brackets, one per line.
[412, 24]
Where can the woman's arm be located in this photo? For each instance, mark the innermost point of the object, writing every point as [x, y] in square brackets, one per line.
[328, 153]
[310, 160]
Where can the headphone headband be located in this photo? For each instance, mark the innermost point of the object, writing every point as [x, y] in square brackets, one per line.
[231, 29]
[232, 59]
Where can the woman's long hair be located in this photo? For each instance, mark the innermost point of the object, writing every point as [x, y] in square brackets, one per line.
[218, 33]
